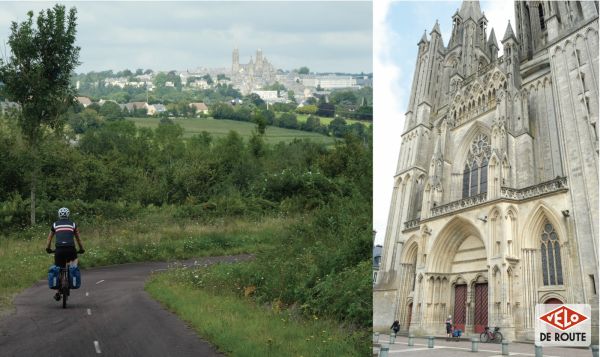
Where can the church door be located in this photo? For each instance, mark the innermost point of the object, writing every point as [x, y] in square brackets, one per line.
[481, 307]
[460, 305]
[553, 301]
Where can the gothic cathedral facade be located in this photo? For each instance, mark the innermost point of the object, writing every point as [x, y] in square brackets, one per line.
[495, 201]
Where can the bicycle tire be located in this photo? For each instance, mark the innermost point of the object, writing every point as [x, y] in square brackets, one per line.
[65, 288]
[484, 337]
[498, 337]
[64, 300]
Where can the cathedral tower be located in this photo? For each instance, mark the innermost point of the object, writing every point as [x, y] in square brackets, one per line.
[495, 200]
[235, 61]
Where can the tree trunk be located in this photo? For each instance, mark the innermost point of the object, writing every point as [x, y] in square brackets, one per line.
[33, 143]
[33, 185]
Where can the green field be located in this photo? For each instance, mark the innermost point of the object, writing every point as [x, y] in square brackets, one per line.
[220, 128]
[324, 121]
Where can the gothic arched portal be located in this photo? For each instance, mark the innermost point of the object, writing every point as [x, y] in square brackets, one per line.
[459, 259]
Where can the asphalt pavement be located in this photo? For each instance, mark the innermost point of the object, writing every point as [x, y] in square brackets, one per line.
[109, 315]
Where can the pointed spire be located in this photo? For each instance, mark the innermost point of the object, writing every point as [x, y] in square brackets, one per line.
[424, 38]
[508, 33]
[436, 28]
[492, 41]
[470, 9]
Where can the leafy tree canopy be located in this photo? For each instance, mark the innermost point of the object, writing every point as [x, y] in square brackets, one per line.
[303, 70]
[37, 75]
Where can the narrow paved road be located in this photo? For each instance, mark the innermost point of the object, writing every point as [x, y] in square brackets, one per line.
[109, 315]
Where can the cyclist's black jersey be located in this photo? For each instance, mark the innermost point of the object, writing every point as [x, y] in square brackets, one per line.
[65, 231]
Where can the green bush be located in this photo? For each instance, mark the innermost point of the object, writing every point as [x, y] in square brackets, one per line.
[321, 265]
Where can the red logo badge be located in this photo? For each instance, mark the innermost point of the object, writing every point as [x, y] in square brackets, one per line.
[563, 318]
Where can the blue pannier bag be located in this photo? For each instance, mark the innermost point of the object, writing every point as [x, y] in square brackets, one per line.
[53, 274]
[74, 277]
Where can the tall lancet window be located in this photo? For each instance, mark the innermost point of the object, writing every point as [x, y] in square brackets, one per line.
[550, 252]
[541, 14]
[475, 176]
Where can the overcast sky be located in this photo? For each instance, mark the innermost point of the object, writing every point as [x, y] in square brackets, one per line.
[325, 36]
[397, 27]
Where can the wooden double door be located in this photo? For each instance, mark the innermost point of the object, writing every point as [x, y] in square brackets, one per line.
[480, 313]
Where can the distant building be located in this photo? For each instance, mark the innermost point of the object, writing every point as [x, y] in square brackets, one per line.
[132, 106]
[260, 68]
[154, 109]
[376, 261]
[267, 95]
[200, 108]
[329, 81]
[252, 75]
[85, 101]
[199, 83]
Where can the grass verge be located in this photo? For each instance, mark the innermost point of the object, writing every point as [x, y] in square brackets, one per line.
[150, 237]
[239, 327]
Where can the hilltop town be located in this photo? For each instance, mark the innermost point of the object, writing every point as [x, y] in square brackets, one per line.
[292, 99]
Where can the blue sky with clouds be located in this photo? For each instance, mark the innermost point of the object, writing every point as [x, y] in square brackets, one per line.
[397, 27]
[325, 36]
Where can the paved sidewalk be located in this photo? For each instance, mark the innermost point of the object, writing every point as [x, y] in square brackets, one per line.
[463, 348]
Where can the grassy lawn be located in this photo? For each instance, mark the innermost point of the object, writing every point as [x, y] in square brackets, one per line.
[220, 128]
[239, 327]
[23, 260]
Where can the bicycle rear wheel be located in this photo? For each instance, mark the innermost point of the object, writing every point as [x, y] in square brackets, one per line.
[64, 288]
[484, 337]
[64, 299]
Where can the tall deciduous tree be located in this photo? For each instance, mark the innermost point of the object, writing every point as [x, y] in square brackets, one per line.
[36, 75]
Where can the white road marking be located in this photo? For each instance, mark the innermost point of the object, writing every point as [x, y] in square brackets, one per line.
[89, 311]
[87, 294]
[99, 281]
[159, 269]
[97, 347]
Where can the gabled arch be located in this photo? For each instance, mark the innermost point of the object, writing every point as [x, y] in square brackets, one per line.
[447, 242]
[534, 223]
[458, 280]
[495, 269]
[397, 181]
[551, 295]
[477, 127]
[511, 215]
[411, 250]
[479, 278]
[512, 208]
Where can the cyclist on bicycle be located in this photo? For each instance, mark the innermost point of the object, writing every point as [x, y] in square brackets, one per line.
[65, 230]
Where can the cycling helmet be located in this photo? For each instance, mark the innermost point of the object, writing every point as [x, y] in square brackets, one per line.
[63, 213]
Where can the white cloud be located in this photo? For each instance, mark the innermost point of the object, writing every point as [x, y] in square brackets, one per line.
[389, 99]
[112, 34]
